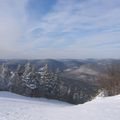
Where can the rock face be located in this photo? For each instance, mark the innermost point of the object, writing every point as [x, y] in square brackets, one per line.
[29, 81]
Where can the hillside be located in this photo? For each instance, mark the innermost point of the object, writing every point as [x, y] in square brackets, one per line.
[16, 107]
[71, 80]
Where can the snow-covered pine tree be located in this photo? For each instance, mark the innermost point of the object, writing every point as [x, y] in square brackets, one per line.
[27, 69]
[4, 71]
[48, 81]
[17, 84]
[4, 77]
[30, 80]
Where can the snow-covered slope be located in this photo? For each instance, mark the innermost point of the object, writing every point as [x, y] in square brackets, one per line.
[16, 107]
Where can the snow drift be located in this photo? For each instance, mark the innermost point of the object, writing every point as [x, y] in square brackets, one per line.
[16, 107]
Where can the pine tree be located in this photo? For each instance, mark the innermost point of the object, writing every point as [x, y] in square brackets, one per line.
[4, 77]
[17, 84]
[48, 81]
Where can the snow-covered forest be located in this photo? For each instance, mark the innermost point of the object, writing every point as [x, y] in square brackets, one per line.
[73, 81]
[28, 80]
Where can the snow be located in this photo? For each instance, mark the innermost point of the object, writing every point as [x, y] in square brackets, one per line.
[16, 107]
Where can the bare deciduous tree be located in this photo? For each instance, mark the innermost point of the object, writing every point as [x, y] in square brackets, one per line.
[110, 80]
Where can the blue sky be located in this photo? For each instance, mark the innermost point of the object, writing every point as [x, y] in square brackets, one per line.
[38, 29]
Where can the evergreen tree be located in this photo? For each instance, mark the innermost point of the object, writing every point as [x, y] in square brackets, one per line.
[48, 81]
[4, 77]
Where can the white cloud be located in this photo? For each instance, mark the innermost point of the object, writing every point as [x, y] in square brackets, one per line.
[12, 19]
[92, 26]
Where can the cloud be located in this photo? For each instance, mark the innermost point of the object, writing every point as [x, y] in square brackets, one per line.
[68, 29]
[11, 27]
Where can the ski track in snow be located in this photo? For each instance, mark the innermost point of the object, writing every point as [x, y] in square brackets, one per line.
[16, 107]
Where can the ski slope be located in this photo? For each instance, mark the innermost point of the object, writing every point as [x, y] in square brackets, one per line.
[16, 107]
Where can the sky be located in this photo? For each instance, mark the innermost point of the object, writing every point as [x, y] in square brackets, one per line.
[39, 29]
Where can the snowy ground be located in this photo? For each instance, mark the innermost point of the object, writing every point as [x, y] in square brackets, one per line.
[16, 107]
